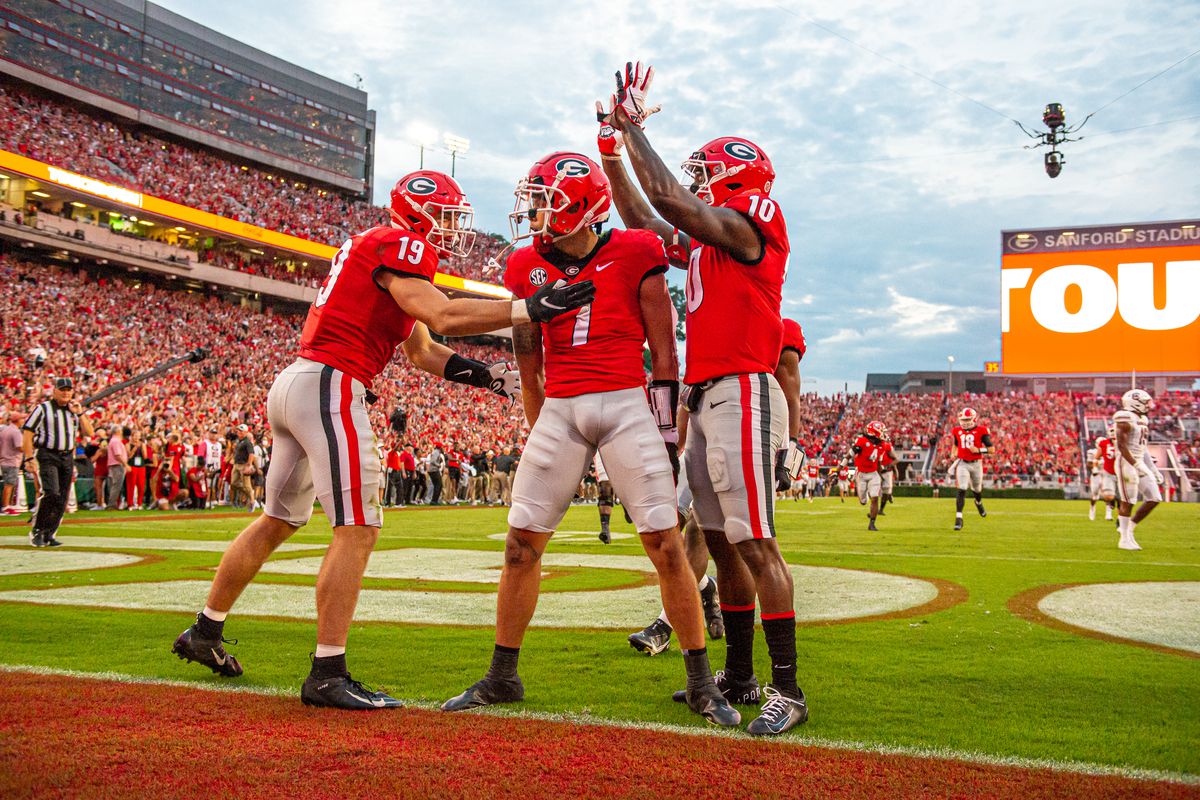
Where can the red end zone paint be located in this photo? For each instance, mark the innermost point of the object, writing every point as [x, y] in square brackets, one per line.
[68, 737]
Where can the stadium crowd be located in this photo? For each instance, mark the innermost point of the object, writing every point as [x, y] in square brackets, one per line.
[101, 329]
[59, 134]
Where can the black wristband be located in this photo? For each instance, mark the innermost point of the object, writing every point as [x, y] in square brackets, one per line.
[467, 370]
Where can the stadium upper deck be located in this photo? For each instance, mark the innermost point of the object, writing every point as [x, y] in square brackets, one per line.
[147, 64]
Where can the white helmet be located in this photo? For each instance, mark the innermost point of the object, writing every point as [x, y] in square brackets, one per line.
[968, 417]
[1138, 401]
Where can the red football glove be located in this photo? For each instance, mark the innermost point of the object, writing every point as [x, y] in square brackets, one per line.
[609, 141]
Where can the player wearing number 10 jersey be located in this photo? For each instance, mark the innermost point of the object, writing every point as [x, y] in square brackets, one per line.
[732, 236]
[379, 294]
[594, 400]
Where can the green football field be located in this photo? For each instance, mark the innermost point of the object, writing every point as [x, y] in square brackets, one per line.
[1027, 635]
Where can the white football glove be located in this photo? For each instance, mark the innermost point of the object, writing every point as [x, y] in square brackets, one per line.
[795, 461]
[632, 86]
[953, 471]
[504, 380]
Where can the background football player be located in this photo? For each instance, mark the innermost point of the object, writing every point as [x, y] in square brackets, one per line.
[971, 440]
[1137, 476]
[379, 294]
[1095, 479]
[732, 236]
[584, 391]
[867, 451]
[887, 471]
[1106, 454]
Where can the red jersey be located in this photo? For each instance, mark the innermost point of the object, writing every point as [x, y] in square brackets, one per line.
[887, 455]
[354, 325]
[843, 473]
[964, 440]
[733, 322]
[1107, 449]
[814, 471]
[793, 337]
[599, 347]
[868, 455]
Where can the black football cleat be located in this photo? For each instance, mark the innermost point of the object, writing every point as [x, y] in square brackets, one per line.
[709, 703]
[487, 692]
[36, 540]
[871, 526]
[958, 523]
[190, 646]
[605, 535]
[979, 508]
[739, 693]
[652, 639]
[51, 541]
[711, 603]
[343, 692]
[780, 713]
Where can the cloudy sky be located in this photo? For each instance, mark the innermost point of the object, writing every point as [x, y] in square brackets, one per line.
[895, 188]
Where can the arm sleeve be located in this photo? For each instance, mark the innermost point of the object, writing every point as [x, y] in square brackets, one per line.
[987, 440]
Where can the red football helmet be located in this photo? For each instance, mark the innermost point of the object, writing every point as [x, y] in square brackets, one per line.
[726, 167]
[968, 417]
[433, 205]
[876, 429]
[570, 187]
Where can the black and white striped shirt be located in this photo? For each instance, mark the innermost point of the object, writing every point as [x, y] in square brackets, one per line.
[53, 426]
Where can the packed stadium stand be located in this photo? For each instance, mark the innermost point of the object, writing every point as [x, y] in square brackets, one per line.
[55, 132]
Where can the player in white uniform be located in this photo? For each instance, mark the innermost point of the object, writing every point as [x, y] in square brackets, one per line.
[1095, 479]
[1137, 476]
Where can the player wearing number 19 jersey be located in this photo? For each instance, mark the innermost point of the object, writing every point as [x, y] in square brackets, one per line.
[594, 400]
[379, 295]
[732, 235]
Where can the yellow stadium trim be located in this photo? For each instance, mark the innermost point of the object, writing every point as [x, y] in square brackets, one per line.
[202, 219]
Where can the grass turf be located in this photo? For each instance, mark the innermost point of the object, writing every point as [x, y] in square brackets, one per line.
[121, 740]
[973, 677]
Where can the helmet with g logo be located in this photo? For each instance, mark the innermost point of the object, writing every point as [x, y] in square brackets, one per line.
[432, 204]
[572, 190]
[726, 167]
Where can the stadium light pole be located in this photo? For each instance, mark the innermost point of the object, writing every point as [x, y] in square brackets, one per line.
[422, 136]
[950, 376]
[457, 145]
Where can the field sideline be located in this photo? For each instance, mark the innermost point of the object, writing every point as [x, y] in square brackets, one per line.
[950, 650]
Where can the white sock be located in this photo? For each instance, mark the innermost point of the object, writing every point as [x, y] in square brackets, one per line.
[215, 616]
[1123, 526]
[662, 616]
[1108, 513]
[958, 515]
[703, 584]
[327, 650]
[1130, 527]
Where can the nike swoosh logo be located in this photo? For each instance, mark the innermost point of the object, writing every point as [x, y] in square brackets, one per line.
[548, 304]
[714, 405]
[605, 266]
[218, 658]
[369, 701]
[463, 372]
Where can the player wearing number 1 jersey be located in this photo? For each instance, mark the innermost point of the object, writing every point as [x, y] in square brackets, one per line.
[732, 236]
[379, 295]
[594, 399]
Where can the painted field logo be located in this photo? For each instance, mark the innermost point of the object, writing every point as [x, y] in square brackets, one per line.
[741, 150]
[537, 276]
[421, 185]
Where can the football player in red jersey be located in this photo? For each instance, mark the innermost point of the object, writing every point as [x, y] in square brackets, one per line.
[1106, 455]
[584, 391]
[867, 451]
[970, 440]
[732, 236]
[887, 471]
[789, 462]
[843, 474]
[379, 294]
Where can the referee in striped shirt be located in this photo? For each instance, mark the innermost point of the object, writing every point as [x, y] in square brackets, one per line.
[50, 429]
